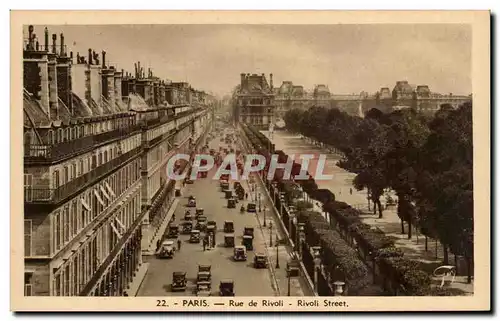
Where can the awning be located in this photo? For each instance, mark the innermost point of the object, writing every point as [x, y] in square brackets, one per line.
[120, 224]
[109, 189]
[84, 203]
[104, 193]
[115, 230]
[99, 198]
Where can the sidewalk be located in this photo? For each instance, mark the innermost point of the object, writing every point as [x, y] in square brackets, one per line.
[390, 224]
[135, 284]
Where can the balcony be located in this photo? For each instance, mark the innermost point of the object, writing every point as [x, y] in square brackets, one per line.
[59, 151]
[55, 196]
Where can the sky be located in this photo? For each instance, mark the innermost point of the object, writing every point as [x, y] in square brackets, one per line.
[347, 58]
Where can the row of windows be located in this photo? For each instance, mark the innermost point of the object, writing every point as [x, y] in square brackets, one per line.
[73, 169]
[78, 131]
[155, 181]
[71, 277]
[75, 215]
[157, 153]
[161, 130]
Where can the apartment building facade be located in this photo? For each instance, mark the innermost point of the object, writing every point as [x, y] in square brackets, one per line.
[96, 146]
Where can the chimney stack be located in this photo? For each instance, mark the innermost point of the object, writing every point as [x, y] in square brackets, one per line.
[77, 57]
[46, 43]
[37, 46]
[103, 59]
[139, 69]
[62, 46]
[135, 69]
[90, 56]
[271, 80]
[54, 41]
[30, 37]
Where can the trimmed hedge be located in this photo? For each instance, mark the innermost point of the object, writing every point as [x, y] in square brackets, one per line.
[337, 254]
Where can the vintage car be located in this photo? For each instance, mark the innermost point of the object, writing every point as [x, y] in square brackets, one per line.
[251, 208]
[205, 268]
[188, 216]
[203, 288]
[179, 281]
[240, 194]
[231, 203]
[199, 211]
[247, 242]
[237, 185]
[187, 227]
[228, 226]
[191, 201]
[173, 231]
[167, 249]
[248, 231]
[226, 288]
[240, 253]
[228, 194]
[201, 223]
[195, 236]
[210, 229]
[203, 276]
[229, 240]
[212, 225]
[260, 261]
[224, 184]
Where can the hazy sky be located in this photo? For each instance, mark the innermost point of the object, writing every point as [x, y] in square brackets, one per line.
[347, 58]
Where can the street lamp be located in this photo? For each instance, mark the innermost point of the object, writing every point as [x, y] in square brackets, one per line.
[259, 203]
[265, 209]
[277, 254]
[270, 233]
[317, 265]
[301, 237]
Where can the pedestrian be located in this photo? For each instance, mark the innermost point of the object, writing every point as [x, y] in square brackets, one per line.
[246, 196]
[204, 244]
[179, 244]
[350, 190]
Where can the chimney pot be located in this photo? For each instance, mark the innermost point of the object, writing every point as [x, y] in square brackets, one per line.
[46, 42]
[30, 37]
[103, 59]
[90, 56]
[54, 40]
[63, 53]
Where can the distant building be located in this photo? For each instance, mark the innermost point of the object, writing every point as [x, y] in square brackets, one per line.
[254, 100]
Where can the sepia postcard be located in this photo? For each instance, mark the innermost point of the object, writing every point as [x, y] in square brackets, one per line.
[314, 161]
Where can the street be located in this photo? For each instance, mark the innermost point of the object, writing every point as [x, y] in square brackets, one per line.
[248, 281]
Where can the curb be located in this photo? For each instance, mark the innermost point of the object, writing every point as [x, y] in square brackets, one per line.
[282, 226]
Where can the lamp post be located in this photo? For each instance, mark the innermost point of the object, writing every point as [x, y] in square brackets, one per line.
[301, 237]
[277, 254]
[317, 265]
[265, 209]
[270, 233]
[259, 202]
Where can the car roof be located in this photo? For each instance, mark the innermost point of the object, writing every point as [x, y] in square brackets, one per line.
[239, 247]
[195, 231]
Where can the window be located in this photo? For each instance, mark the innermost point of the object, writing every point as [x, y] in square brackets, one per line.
[59, 135]
[67, 275]
[28, 184]
[50, 137]
[57, 284]
[99, 159]
[28, 230]
[56, 230]
[75, 276]
[82, 131]
[73, 170]
[105, 156]
[28, 284]
[66, 224]
[73, 218]
[80, 169]
[55, 179]
[66, 177]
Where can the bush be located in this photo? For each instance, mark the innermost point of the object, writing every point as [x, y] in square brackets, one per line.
[323, 195]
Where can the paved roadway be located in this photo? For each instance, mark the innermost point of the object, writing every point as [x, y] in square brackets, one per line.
[247, 280]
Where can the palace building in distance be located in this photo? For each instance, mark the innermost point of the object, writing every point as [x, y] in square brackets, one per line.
[96, 145]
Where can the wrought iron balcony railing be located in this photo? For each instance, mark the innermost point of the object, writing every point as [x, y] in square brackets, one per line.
[55, 152]
[50, 195]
